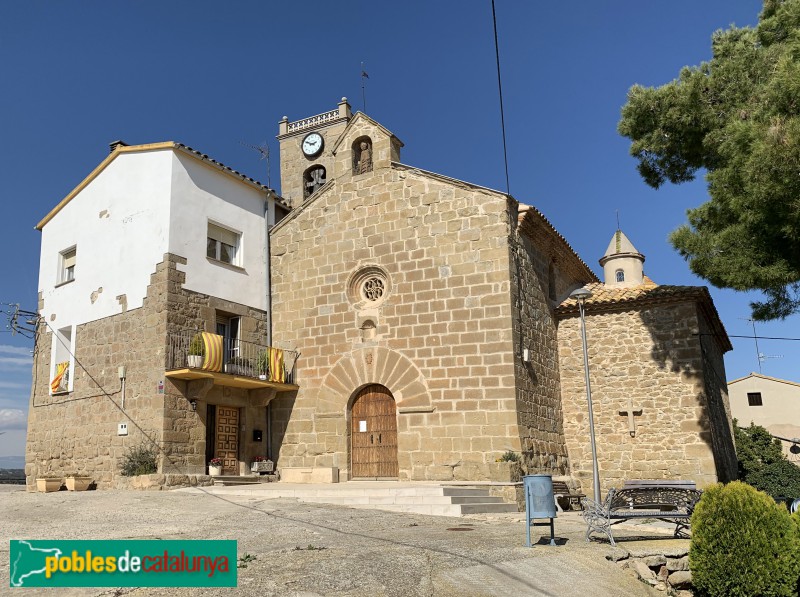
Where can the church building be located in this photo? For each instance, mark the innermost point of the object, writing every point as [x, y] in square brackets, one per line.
[436, 333]
[375, 321]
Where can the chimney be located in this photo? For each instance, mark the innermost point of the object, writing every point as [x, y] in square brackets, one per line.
[114, 145]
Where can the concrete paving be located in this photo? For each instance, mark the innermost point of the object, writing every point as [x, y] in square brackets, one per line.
[308, 550]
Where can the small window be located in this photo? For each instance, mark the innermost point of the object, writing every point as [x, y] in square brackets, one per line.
[619, 275]
[66, 265]
[223, 244]
[754, 399]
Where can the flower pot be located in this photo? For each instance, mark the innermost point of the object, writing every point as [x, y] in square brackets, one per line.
[47, 485]
[214, 471]
[195, 361]
[265, 466]
[78, 483]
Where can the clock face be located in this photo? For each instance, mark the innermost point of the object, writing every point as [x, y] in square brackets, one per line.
[312, 144]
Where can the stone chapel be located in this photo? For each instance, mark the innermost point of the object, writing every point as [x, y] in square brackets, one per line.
[435, 331]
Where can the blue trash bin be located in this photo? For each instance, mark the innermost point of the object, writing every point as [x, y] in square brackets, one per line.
[539, 502]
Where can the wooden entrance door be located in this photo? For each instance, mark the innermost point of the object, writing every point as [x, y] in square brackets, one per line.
[374, 434]
[226, 439]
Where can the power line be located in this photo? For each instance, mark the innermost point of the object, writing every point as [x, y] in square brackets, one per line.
[500, 90]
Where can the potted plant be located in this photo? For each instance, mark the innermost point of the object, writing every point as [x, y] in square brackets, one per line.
[238, 366]
[197, 350]
[48, 484]
[215, 467]
[261, 465]
[78, 483]
[262, 365]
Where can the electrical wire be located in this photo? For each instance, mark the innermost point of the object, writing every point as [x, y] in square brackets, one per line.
[500, 90]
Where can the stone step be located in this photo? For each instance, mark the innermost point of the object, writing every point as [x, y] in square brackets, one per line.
[434, 500]
[230, 480]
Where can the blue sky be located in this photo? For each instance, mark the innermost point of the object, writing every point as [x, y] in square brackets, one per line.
[76, 76]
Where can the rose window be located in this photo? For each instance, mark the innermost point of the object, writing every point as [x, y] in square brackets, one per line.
[373, 289]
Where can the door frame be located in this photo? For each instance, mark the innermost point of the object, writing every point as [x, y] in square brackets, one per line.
[239, 434]
[349, 423]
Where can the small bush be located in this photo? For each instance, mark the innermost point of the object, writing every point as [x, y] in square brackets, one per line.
[509, 457]
[762, 463]
[139, 460]
[743, 544]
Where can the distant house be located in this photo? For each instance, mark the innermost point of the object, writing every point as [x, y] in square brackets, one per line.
[770, 402]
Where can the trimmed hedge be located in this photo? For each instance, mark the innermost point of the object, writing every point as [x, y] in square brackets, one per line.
[743, 544]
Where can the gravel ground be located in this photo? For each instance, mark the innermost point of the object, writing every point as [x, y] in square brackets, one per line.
[304, 550]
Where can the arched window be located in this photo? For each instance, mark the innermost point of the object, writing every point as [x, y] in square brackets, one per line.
[362, 155]
[619, 275]
[313, 179]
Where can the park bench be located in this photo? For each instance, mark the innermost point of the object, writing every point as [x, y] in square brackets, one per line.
[561, 490]
[670, 501]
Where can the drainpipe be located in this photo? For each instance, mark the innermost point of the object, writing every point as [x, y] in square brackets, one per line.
[269, 219]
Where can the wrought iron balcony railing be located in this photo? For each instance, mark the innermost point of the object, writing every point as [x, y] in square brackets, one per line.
[213, 353]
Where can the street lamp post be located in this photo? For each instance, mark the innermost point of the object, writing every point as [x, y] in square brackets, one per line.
[580, 295]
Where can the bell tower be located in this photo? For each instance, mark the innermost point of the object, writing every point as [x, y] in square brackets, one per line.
[623, 265]
[305, 147]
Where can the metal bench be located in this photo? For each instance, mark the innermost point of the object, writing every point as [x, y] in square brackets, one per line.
[561, 490]
[660, 501]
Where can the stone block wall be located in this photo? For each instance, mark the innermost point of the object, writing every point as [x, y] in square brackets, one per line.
[651, 357]
[76, 433]
[720, 419]
[442, 341]
[538, 389]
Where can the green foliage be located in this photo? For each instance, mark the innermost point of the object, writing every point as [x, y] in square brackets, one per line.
[139, 460]
[246, 559]
[743, 544]
[262, 365]
[509, 457]
[738, 117]
[763, 464]
[197, 347]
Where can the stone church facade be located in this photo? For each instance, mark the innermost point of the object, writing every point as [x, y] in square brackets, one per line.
[448, 302]
[422, 328]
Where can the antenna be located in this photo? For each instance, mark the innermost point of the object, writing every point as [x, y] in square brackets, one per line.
[755, 339]
[618, 228]
[364, 75]
[263, 149]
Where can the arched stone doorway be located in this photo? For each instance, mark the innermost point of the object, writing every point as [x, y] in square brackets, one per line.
[373, 434]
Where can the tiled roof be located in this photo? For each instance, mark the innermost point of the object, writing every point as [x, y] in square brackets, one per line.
[767, 377]
[230, 170]
[122, 148]
[649, 291]
[531, 220]
[614, 298]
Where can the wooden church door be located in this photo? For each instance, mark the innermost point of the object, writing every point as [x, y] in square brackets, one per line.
[373, 434]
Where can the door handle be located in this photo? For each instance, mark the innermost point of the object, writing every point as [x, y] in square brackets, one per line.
[371, 439]
[379, 438]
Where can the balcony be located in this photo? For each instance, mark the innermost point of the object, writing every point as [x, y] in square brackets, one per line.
[229, 362]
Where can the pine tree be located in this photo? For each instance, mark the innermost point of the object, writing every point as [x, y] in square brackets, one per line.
[738, 118]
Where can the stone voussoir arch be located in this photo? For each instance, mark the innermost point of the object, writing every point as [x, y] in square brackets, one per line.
[375, 365]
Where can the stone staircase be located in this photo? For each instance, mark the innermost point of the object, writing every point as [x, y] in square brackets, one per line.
[235, 480]
[431, 499]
